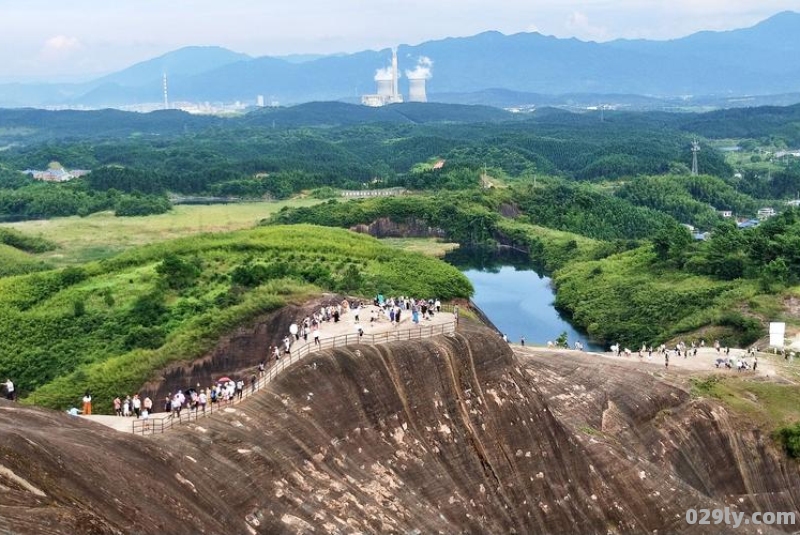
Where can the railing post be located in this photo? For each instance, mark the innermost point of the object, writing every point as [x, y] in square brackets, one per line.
[415, 332]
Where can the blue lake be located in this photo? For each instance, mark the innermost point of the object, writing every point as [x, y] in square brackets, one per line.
[516, 298]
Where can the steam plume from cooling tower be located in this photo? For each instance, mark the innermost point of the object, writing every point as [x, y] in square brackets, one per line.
[423, 70]
[383, 74]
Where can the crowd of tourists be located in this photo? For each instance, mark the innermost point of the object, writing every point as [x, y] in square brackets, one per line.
[226, 390]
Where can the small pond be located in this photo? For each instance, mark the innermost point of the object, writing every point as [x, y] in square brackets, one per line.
[516, 298]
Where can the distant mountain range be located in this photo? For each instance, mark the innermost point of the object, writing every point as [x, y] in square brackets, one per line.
[488, 68]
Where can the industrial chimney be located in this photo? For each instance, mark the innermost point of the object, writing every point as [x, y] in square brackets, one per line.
[416, 90]
[395, 78]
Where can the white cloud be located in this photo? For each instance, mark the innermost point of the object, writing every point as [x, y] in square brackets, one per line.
[113, 35]
[578, 25]
[59, 47]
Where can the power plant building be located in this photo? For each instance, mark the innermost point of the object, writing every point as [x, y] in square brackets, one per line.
[388, 84]
[387, 81]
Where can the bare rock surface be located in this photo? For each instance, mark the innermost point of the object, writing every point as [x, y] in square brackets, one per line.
[453, 434]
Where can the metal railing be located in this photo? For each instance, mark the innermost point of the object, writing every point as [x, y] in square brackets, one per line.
[161, 422]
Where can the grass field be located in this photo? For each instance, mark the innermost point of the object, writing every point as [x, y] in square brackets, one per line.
[763, 402]
[426, 246]
[101, 235]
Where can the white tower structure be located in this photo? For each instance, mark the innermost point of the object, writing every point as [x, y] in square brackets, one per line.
[166, 97]
[416, 90]
[395, 78]
[695, 150]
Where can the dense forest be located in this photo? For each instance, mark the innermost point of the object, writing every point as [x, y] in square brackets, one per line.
[597, 201]
[248, 157]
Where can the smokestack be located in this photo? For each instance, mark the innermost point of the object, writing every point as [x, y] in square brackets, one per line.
[395, 76]
[416, 90]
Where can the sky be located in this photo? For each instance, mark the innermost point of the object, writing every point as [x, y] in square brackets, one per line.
[61, 40]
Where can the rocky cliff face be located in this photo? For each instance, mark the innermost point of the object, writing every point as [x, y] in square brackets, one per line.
[412, 227]
[237, 354]
[449, 435]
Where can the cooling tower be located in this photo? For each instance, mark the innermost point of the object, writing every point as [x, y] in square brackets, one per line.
[385, 87]
[416, 90]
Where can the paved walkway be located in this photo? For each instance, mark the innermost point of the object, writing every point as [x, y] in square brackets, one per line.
[703, 362]
[332, 335]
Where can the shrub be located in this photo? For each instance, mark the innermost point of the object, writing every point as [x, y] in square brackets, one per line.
[789, 438]
[178, 273]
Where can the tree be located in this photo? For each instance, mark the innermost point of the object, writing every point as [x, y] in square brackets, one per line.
[671, 244]
[178, 273]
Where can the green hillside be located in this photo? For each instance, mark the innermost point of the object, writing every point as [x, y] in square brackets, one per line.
[16, 262]
[110, 325]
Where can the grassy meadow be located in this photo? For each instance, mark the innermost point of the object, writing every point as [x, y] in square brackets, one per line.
[102, 235]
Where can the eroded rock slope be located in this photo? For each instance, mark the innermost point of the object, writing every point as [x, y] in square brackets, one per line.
[454, 434]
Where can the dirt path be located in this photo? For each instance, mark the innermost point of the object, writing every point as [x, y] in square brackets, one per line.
[703, 362]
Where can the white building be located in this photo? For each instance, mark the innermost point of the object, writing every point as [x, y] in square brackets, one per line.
[765, 213]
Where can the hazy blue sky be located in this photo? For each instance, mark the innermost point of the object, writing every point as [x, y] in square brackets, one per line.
[61, 38]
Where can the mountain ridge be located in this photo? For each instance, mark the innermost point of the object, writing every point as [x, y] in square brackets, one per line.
[758, 60]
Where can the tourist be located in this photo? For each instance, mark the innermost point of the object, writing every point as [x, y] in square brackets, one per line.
[117, 406]
[666, 359]
[522, 340]
[137, 405]
[126, 406]
[145, 418]
[87, 403]
[9, 386]
[202, 399]
[148, 404]
[239, 388]
[176, 406]
[261, 368]
[316, 338]
[755, 362]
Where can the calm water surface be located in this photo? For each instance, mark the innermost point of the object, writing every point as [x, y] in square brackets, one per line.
[517, 299]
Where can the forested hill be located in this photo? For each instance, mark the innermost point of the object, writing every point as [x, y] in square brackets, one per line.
[763, 121]
[35, 125]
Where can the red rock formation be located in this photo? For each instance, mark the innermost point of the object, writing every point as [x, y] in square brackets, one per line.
[453, 435]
